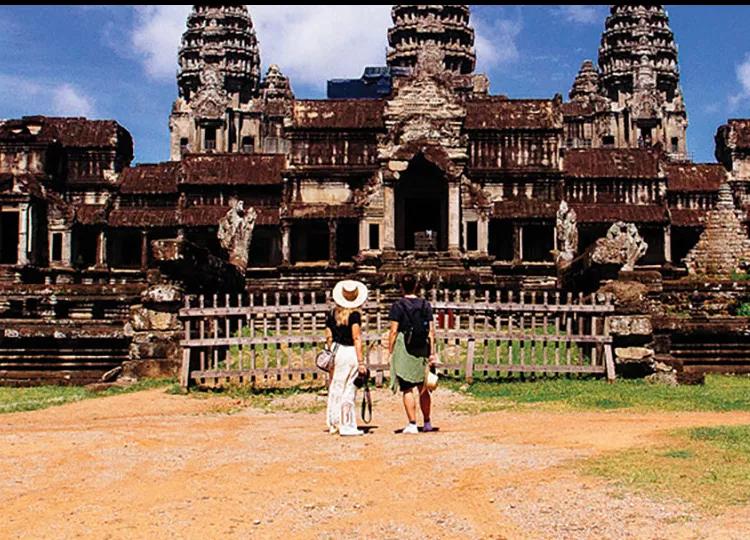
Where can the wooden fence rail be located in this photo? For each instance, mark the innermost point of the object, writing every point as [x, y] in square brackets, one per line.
[272, 339]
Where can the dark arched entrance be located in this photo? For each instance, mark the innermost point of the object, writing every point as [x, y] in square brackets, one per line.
[421, 205]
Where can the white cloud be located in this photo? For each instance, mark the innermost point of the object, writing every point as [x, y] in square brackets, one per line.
[743, 77]
[70, 101]
[311, 44]
[314, 43]
[38, 96]
[156, 37]
[495, 42]
[581, 14]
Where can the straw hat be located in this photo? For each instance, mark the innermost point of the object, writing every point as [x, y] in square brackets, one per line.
[430, 379]
[349, 294]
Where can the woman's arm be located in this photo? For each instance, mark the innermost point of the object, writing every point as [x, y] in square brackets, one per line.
[357, 338]
[393, 334]
[329, 338]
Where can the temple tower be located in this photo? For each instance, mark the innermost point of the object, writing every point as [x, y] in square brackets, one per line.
[586, 84]
[444, 25]
[218, 80]
[639, 74]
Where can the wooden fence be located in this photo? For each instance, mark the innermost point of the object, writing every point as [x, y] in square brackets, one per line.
[272, 339]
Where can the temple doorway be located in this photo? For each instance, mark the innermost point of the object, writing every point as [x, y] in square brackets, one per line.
[9, 238]
[421, 208]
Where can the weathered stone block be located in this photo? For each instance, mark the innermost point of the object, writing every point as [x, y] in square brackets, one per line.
[143, 319]
[629, 355]
[162, 293]
[630, 325]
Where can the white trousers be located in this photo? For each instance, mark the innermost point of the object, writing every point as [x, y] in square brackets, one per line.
[341, 394]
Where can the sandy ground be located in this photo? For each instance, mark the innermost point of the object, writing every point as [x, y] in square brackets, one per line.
[153, 465]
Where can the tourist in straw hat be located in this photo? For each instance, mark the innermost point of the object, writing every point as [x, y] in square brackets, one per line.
[343, 335]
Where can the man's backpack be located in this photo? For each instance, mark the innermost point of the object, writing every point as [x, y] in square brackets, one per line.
[417, 331]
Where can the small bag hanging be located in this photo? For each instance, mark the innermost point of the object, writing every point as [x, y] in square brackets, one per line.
[362, 381]
[326, 358]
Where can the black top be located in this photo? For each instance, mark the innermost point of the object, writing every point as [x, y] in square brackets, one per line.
[398, 313]
[343, 334]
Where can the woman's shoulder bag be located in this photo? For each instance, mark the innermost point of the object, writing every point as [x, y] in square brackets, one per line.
[326, 358]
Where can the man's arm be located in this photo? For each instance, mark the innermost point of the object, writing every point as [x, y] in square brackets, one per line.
[392, 335]
[433, 344]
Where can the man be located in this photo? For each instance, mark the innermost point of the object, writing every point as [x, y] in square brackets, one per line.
[411, 345]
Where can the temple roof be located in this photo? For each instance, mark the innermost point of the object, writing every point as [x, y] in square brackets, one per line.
[686, 217]
[695, 177]
[500, 113]
[74, 132]
[144, 217]
[338, 114]
[150, 178]
[210, 215]
[611, 163]
[610, 213]
[233, 169]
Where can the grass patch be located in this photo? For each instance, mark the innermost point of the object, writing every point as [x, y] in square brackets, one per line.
[295, 400]
[720, 393]
[40, 397]
[709, 467]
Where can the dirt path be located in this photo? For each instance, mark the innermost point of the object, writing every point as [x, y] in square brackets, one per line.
[152, 465]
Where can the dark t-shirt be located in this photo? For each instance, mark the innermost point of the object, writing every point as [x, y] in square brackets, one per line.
[343, 334]
[398, 313]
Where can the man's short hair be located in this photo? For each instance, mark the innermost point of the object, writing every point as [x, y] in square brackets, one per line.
[409, 283]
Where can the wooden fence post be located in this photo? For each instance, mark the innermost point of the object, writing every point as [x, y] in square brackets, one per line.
[470, 361]
[610, 363]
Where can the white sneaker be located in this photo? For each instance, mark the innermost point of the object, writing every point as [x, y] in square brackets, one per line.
[333, 430]
[427, 426]
[411, 429]
[346, 431]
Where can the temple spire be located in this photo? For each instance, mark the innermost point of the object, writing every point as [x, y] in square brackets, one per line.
[219, 48]
[446, 26]
[637, 42]
[586, 84]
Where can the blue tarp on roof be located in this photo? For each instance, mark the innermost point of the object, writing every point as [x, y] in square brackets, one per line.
[376, 82]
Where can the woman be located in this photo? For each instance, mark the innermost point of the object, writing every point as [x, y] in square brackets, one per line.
[411, 345]
[344, 333]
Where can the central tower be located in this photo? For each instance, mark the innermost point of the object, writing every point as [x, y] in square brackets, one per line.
[446, 26]
[221, 96]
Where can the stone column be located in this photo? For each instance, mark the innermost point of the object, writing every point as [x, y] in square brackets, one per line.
[101, 250]
[389, 218]
[23, 234]
[332, 227]
[286, 244]
[144, 250]
[364, 235]
[517, 243]
[221, 139]
[67, 248]
[483, 234]
[454, 218]
[668, 243]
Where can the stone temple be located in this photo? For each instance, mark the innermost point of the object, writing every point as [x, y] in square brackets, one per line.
[419, 169]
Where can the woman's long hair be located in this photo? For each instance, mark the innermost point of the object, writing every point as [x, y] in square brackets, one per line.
[342, 315]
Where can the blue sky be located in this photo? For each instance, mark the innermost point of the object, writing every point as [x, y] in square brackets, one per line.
[120, 62]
